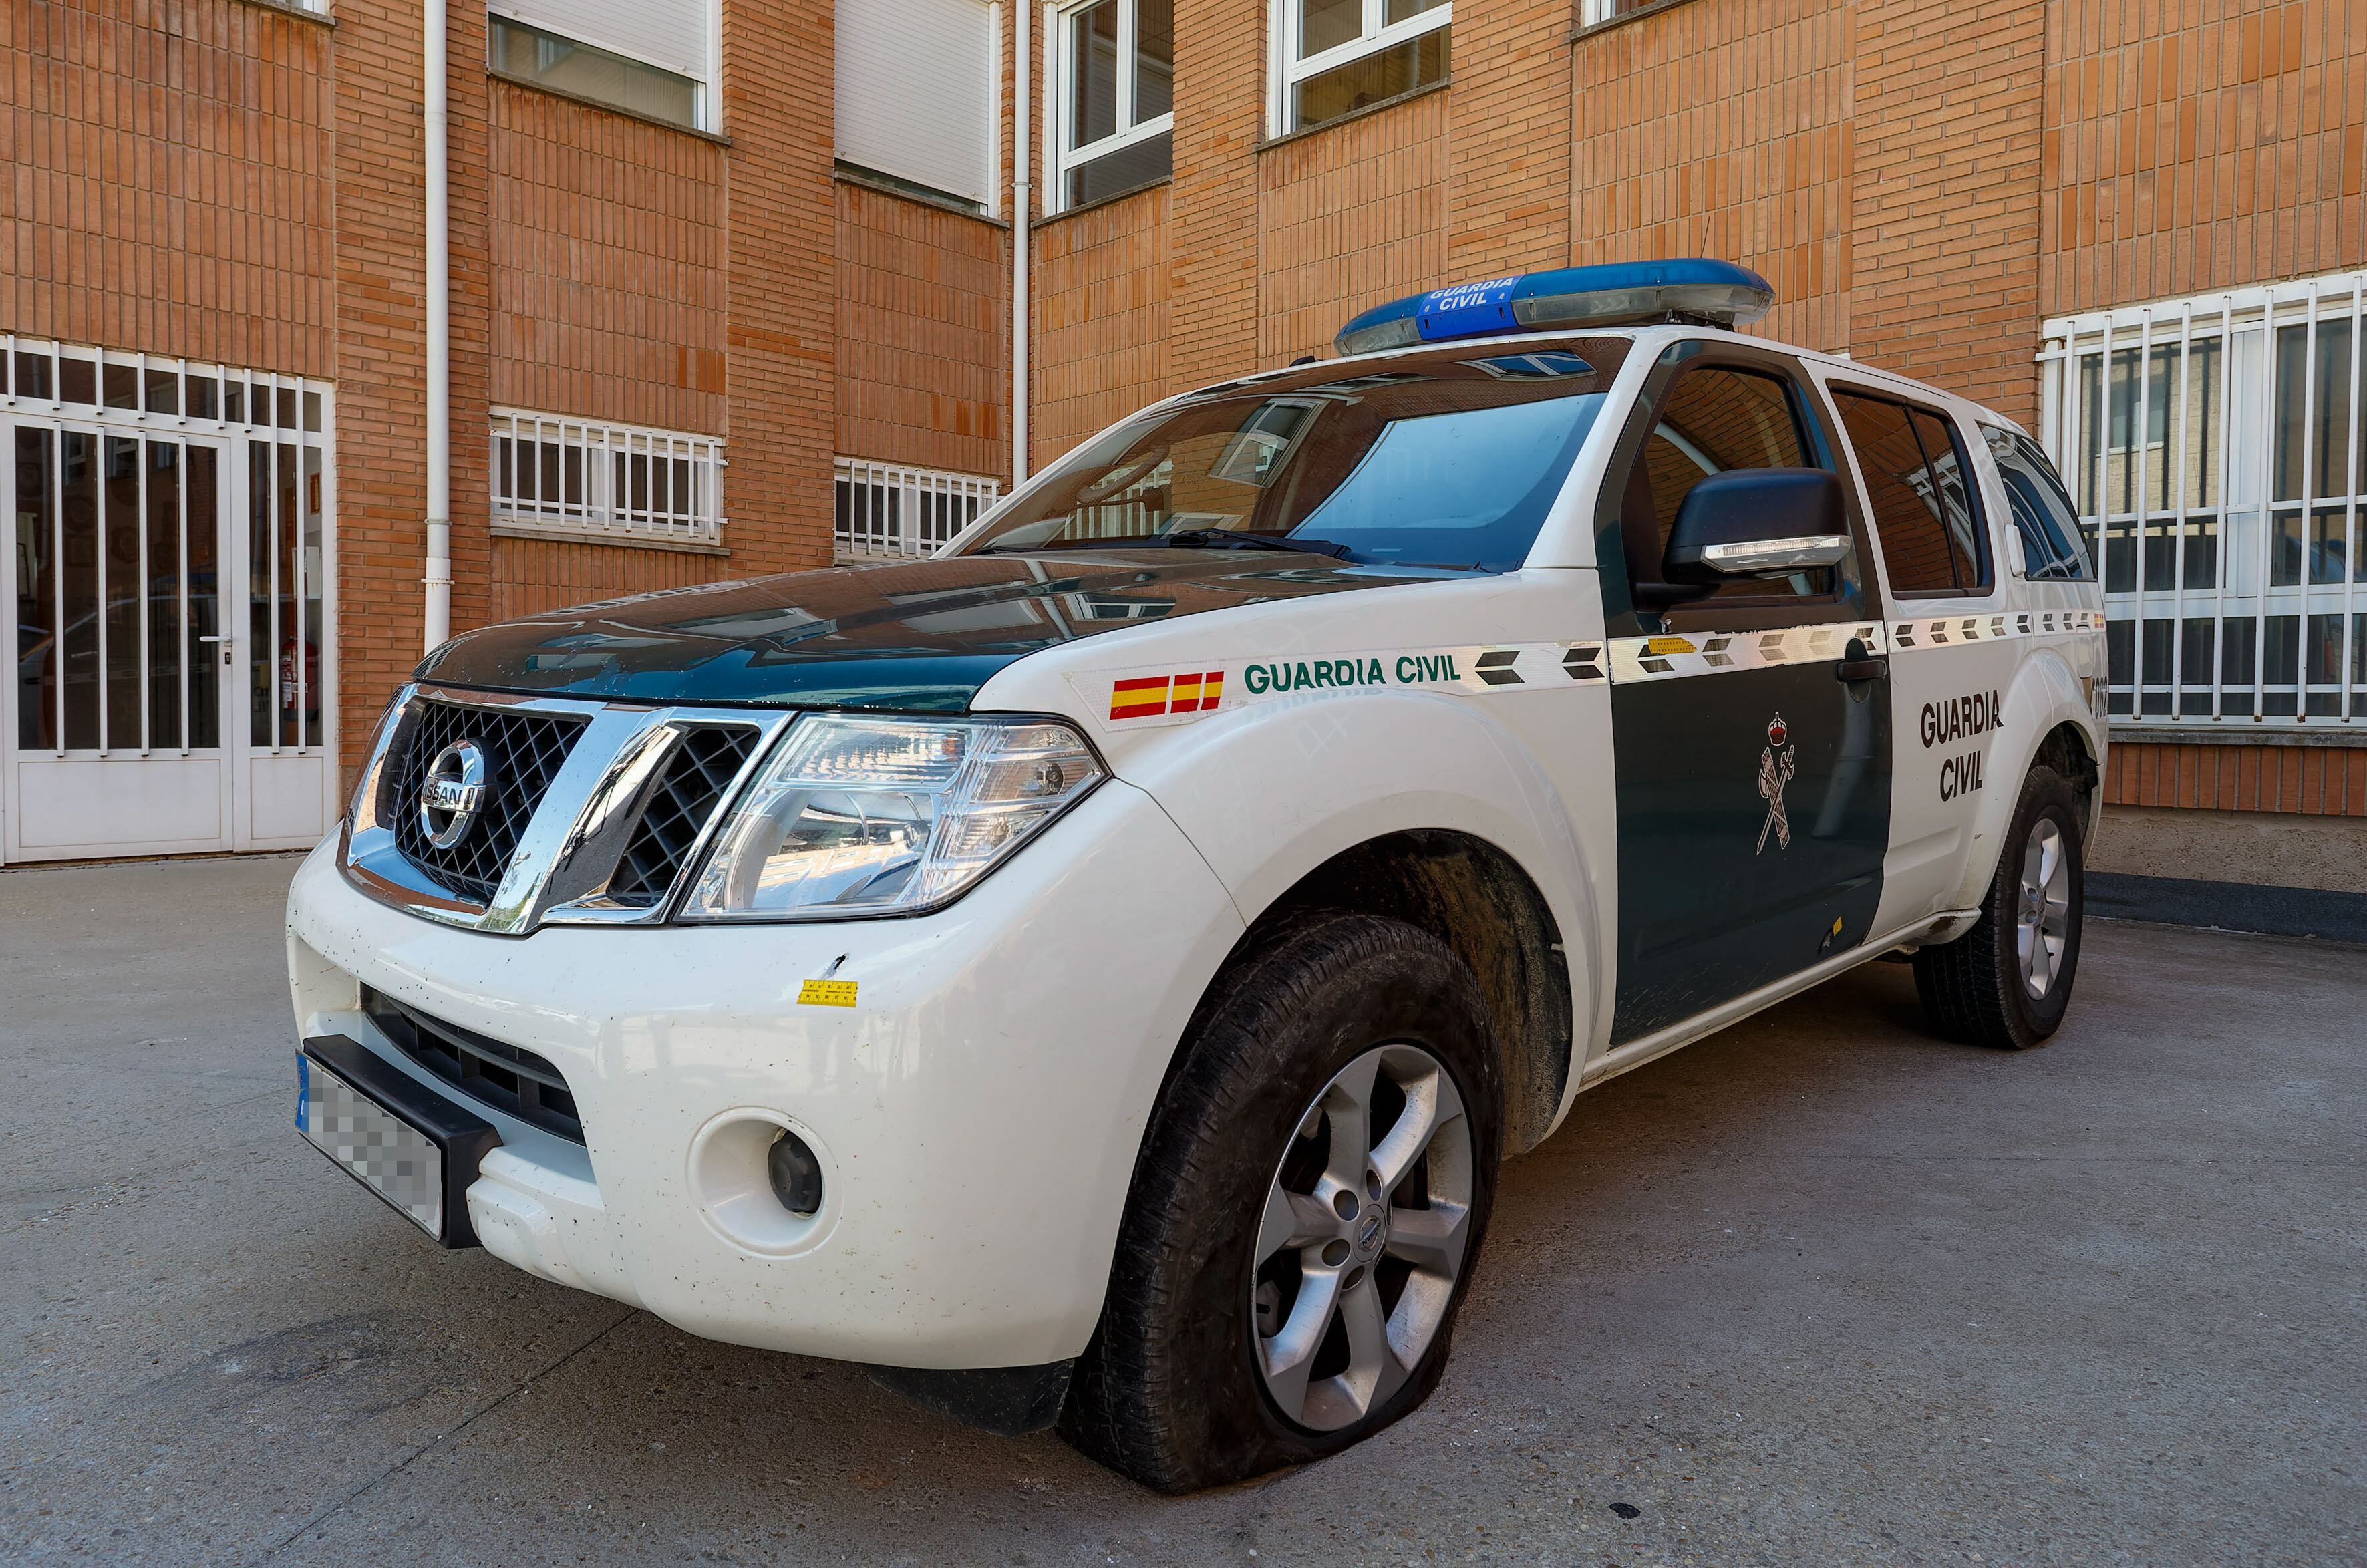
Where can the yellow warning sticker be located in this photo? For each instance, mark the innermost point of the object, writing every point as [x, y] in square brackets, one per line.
[1662, 647]
[826, 993]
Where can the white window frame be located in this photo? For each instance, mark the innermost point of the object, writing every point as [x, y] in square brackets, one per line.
[2243, 324]
[597, 514]
[1374, 35]
[872, 529]
[1061, 113]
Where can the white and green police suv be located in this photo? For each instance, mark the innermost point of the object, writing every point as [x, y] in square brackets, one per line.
[1094, 975]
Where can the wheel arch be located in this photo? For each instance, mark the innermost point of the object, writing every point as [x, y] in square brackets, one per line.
[2043, 718]
[1479, 899]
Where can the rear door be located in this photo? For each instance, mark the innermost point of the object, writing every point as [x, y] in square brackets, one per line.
[1954, 634]
[1753, 784]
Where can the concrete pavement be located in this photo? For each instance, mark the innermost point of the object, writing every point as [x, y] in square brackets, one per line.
[1818, 1290]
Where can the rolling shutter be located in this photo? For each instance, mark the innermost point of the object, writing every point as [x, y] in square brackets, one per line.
[670, 34]
[916, 92]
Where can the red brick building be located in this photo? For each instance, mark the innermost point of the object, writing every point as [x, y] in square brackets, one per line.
[731, 281]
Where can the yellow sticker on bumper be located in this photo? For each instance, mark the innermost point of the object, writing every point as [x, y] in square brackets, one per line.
[826, 993]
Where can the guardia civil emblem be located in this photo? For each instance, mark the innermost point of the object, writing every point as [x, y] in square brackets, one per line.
[1776, 771]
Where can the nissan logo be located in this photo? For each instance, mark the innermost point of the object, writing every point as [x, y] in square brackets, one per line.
[453, 794]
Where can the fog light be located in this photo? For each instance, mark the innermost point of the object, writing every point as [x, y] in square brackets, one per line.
[796, 1175]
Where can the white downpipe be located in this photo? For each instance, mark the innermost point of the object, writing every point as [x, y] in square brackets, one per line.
[1022, 209]
[439, 335]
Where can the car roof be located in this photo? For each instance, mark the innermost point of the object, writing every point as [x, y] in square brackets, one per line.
[1834, 366]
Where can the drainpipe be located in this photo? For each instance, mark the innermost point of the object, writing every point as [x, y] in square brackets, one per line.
[1020, 208]
[439, 336]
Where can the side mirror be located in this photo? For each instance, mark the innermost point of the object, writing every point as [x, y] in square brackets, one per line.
[1757, 522]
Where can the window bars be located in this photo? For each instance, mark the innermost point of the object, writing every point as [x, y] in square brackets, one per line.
[2217, 448]
[555, 474]
[891, 511]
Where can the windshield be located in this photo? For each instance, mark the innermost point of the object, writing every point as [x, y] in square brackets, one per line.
[1448, 460]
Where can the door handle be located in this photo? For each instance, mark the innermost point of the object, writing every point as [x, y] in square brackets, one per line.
[209, 639]
[1851, 671]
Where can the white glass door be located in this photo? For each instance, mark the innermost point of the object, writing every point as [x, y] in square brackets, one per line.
[117, 717]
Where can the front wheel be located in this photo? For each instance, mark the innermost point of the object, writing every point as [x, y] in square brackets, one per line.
[1305, 1212]
[2006, 982]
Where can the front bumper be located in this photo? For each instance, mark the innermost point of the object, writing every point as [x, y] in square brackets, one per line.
[978, 1111]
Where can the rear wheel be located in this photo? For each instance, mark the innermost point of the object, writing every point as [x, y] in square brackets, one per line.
[1305, 1212]
[2008, 981]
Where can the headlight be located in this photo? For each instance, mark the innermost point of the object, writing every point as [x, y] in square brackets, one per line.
[887, 816]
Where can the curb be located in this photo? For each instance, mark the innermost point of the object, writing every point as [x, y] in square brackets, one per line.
[2229, 906]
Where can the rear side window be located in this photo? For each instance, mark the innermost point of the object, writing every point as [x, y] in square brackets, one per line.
[2042, 514]
[1917, 479]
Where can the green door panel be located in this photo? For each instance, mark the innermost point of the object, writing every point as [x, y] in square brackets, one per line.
[1720, 892]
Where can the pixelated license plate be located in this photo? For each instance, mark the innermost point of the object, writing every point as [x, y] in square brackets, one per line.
[377, 1147]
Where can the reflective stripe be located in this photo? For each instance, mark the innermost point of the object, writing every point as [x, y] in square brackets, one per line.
[1636, 659]
[1136, 698]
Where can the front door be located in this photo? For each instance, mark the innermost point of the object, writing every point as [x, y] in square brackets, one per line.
[119, 717]
[1753, 784]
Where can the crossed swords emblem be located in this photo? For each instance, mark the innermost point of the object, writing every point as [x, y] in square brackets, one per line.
[1776, 771]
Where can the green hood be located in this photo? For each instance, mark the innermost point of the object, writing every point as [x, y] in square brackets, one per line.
[913, 636]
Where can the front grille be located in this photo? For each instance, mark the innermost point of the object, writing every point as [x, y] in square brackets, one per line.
[704, 763]
[502, 1076]
[522, 753]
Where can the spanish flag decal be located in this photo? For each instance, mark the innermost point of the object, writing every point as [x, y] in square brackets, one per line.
[1155, 697]
[1142, 698]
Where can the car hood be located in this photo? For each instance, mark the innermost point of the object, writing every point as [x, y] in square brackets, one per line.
[908, 636]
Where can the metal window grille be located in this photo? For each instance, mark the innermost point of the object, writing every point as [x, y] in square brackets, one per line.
[2217, 448]
[887, 510]
[577, 476]
[173, 599]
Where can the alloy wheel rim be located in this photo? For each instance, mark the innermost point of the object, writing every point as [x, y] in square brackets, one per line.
[2043, 908]
[1366, 1227]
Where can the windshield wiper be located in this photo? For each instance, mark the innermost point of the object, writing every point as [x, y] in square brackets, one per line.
[1226, 538]
[1184, 539]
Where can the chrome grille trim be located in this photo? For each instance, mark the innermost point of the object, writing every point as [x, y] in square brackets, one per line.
[571, 848]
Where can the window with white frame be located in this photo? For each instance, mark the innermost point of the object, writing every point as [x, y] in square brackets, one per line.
[652, 58]
[1338, 56]
[893, 510]
[2216, 450]
[574, 476]
[1113, 108]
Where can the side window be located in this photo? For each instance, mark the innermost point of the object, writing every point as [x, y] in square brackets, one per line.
[1715, 418]
[2042, 514]
[1917, 477]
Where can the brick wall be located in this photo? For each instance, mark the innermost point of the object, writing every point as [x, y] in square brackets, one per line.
[380, 359]
[1724, 130]
[2191, 148]
[1509, 146]
[2311, 781]
[530, 575]
[1221, 48]
[781, 329]
[607, 246]
[924, 317]
[1102, 320]
[1348, 218]
[1948, 100]
[170, 172]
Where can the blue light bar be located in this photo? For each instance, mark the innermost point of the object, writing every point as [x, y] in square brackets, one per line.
[1622, 293]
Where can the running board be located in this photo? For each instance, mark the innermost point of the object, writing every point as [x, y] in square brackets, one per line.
[1636, 1053]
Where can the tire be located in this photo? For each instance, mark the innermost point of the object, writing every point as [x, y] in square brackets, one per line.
[2005, 982]
[1175, 1389]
